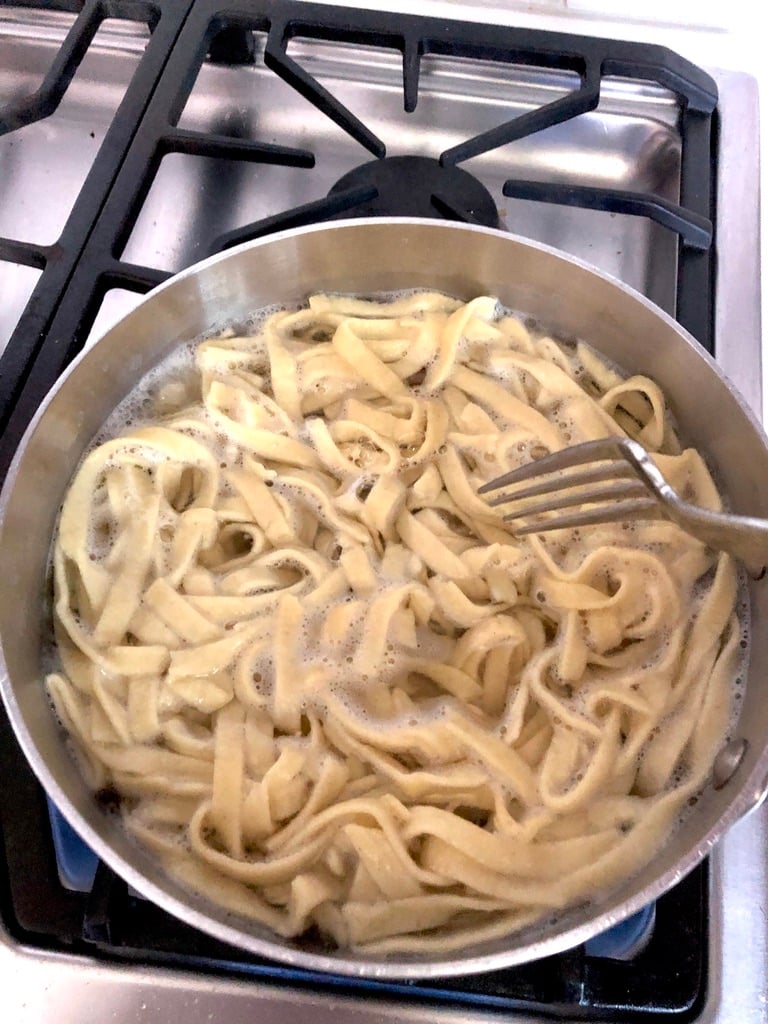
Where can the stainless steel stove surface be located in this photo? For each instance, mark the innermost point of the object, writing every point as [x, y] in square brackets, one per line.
[148, 164]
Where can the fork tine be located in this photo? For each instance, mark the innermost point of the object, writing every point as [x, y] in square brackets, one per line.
[622, 490]
[576, 455]
[595, 474]
[640, 508]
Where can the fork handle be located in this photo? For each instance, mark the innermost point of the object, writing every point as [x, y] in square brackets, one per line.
[744, 537]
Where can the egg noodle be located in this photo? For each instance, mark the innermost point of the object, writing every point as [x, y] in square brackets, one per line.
[328, 685]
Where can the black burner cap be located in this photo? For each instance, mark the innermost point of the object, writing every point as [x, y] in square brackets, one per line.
[417, 186]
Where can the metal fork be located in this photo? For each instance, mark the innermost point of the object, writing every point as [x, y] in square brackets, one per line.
[618, 480]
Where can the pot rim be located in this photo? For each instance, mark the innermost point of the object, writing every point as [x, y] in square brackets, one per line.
[748, 797]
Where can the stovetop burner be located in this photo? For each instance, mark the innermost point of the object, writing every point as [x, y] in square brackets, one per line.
[418, 186]
[278, 60]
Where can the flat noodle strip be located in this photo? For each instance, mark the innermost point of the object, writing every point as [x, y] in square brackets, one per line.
[368, 366]
[333, 690]
[286, 708]
[229, 759]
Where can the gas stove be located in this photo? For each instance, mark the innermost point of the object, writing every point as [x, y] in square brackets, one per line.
[137, 138]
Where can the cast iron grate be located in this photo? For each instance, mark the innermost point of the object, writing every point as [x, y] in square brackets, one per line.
[669, 977]
[57, 261]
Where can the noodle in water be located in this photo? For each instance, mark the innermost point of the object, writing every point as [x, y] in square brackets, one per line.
[330, 687]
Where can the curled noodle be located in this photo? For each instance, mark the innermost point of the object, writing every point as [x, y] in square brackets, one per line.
[330, 687]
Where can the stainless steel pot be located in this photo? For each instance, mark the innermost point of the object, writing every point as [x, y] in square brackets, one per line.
[362, 257]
